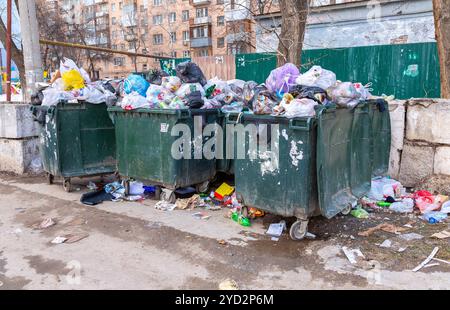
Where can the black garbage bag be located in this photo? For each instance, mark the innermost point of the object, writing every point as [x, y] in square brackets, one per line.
[108, 86]
[37, 98]
[190, 72]
[195, 100]
[311, 92]
[155, 76]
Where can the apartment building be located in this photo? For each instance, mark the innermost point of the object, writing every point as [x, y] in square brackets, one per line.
[171, 28]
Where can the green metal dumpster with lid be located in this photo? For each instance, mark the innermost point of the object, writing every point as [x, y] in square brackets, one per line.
[150, 147]
[323, 165]
[76, 140]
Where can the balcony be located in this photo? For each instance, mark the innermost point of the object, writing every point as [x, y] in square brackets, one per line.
[200, 21]
[199, 2]
[130, 37]
[201, 42]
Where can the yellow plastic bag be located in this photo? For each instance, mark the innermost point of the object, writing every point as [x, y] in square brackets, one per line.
[72, 79]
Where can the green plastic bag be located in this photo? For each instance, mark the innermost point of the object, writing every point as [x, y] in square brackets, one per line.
[360, 213]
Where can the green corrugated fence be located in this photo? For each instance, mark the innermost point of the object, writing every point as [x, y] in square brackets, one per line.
[404, 70]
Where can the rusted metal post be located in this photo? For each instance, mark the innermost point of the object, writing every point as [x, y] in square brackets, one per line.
[8, 49]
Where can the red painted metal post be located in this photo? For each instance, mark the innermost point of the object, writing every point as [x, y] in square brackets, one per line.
[8, 50]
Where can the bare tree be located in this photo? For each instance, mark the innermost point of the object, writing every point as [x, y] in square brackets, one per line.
[293, 25]
[16, 51]
[441, 10]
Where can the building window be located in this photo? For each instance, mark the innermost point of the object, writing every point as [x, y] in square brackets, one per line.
[173, 37]
[220, 1]
[186, 54]
[122, 46]
[142, 8]
[185, 36]
[172, 17]
[157, 19]
[144, 51]
[113, 7]
[201, 12]
[220, 42]
[114, 46]
[144, 67]
[185, 15]
[157, 2]
[157, 39]
[200, 32]
[173, 54]
[172, 1]
[203, 53]
[132, 45]
[220, 20]
[119, 61]
[144, 21]
[113, 20]
[120, 5]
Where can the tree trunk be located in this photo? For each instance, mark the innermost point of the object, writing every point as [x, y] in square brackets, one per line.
[442, 26]
[293, 24]
[16, 55]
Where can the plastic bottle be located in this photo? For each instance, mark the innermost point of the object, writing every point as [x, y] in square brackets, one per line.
[434, 217]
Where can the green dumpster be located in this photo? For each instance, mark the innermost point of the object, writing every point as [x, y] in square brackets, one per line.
[145, 142]
[324, 164]
[381, 136]
[76, 140]
[285, 185]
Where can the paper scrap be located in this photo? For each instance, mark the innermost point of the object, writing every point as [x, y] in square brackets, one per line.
[352, 254]
[441, 235]
[59, 240]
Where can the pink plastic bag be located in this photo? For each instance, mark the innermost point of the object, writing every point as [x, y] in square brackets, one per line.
[281, 78]
[425, 201]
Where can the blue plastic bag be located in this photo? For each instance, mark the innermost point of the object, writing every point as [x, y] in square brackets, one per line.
[135, 83]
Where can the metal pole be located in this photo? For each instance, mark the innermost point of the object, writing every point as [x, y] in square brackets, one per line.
[30, 47]
[100, 49]
[8, 50]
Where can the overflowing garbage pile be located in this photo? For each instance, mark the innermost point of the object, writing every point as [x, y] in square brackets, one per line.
[286, 92]
[389, 195]
[73, 84]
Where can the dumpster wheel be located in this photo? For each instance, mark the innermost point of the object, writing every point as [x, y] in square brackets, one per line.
[347, 210]
[202, 187]
[66, 184]
[50, 178]
[298, 230]
[168, 196]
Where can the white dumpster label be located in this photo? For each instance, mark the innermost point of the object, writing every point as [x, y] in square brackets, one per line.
[164, 127]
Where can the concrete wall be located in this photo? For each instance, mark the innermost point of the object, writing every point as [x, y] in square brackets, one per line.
[357, 24]
[19, 151]
[420, 144]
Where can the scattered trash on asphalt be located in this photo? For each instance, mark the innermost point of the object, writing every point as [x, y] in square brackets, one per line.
[228, 284]
[360, 213]
[201, 216]
[276, 229]
[188, 203]
[47, 223]
[427, 260]
[72, 238]
[165, 206]
[353, 255]
[384, 227]
[410, 236]
[222, 242]
[441, 235]
[59, 240]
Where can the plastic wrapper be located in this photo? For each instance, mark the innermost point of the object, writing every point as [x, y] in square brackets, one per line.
[300, 108]
[72, 79]
[135, 83]
[190, 72]
[344, 94]
[157, 94]
[156, 76]
[311, 92]
[364, 90]
[212, 103]
[68, 64]
[52, 96]
[234, 107]
[263, 101]
[281, 78]
[248, 91]
[317, 77]
[188, 88]
[172, 83]
[384, 187]
[134, 101]
[215, 87]
[177, 103]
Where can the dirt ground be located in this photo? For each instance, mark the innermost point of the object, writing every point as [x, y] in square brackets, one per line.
[131, 245]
